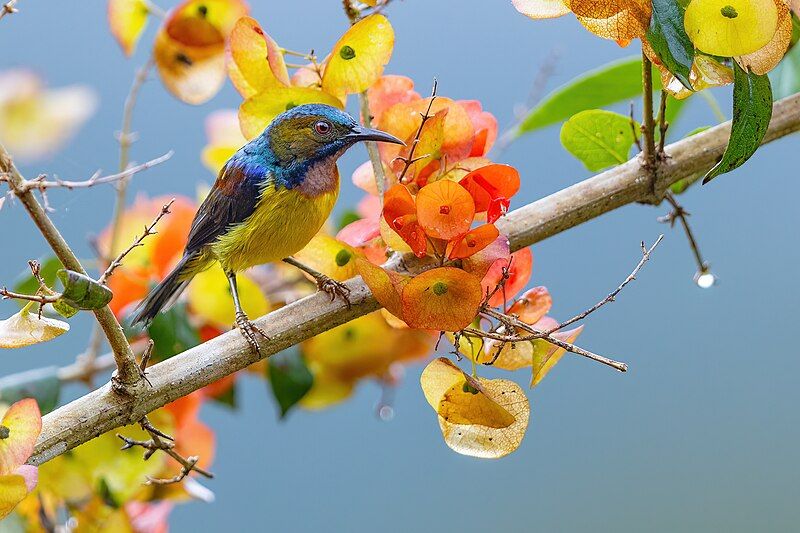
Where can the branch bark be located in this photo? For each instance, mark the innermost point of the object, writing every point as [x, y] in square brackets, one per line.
[102, 410]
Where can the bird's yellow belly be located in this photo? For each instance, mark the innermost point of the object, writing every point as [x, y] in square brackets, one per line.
[283, 222]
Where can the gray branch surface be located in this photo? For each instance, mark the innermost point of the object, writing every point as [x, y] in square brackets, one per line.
[103, 410]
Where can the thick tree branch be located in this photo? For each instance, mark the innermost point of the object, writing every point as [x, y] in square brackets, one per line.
[102, 410]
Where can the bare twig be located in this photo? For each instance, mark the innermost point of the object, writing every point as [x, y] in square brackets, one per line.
[138, 241]
[40, 298]
[410, 160]
[8, 8]
[97, 178]
[646, 253]
[102, 410]
[679, 213]
[636, 134]
[165, 443]
[663, 125]
[648, 126]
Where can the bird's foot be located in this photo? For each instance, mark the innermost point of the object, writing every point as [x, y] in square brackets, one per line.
[334, 288]
[250, 331]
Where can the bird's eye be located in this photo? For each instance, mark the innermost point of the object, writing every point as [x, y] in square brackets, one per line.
[323, 127]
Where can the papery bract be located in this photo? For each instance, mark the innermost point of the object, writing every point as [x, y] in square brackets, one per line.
[445, 209]
[443, 298]
[491, 188]
[472, 242]
[519, 272]
[256, 62]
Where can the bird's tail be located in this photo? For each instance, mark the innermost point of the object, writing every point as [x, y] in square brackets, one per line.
[166, 293]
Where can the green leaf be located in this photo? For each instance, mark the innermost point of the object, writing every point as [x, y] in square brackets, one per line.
[669, 41]
[600, 139]
[611, 83]
[41, 384]
[290, 379]
[82, 292]
[172, 333]
[347, 217]
[752, 110]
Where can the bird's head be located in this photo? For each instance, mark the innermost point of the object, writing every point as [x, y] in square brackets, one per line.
[314, 132]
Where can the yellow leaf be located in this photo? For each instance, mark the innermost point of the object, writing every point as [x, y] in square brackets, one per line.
[257, 112]
[327, 389]
[731, 27]
[224, 138]
[210, 298]
[256, 60]
[26, 328]
[12, 491]
[546, 354]
[358, 57]
[19, 429]
[127, 20]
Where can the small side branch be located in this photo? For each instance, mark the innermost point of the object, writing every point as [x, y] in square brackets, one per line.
[138, 241]
[410, 160]
[679, 213]
[8, 8]
[161, 441]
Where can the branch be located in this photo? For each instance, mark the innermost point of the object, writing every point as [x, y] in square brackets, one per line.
[138, 241]
[102, 410]
[8, 8]
[127, 379]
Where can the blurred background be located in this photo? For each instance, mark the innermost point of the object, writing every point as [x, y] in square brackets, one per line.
[700, 434]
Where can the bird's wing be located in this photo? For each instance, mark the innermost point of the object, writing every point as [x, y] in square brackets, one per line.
[232, 199]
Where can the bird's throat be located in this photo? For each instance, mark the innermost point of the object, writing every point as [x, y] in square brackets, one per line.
[322, 177]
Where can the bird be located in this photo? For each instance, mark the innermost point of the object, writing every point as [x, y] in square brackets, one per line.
[268, 201]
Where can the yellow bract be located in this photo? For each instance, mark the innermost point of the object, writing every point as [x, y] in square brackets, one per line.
[358, 57]
[333, 258]
[26, 328]
[731, 27]
[210, 297]
[256, 60]
[481, 418]
[224, 138]
[541, 9]
[12, 491]
[257, 112]
[127, 19]
[35, 121]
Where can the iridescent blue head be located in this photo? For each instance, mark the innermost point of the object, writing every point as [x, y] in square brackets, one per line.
[311, 133]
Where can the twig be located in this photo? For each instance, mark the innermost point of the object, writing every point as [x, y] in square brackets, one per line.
[410, 160]
[679, 213]
[126, 138]
[127, 378]
[8, 8]
[372, 148]
[648, 126]
[40, 298]
[646, 253]
[165, 443]
[138, 241]
[97, 178]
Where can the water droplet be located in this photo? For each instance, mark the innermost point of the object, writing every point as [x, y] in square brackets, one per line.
[705, 279]
[386, 413]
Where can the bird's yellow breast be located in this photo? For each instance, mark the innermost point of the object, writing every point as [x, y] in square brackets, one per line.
[283, 222]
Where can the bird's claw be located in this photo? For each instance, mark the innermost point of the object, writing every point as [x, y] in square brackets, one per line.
[334, 289]
[249, 331]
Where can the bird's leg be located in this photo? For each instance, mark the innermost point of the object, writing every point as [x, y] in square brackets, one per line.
[324, 283]
[248, 329]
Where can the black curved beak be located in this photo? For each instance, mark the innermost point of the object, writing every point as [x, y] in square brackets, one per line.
[360, 133]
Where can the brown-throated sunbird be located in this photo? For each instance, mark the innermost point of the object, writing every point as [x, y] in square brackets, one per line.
[268, 201]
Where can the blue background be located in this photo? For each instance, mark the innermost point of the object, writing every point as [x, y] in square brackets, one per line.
[702, 432]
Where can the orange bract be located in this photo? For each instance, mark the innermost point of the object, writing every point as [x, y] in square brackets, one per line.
[533, 305]
[444, 298]
[20, 428]
[492, 187]
[519, 272]
[472, 242]
[189, 50]
[399, 211]
[387, 286]
[388, 91]
[445, 209]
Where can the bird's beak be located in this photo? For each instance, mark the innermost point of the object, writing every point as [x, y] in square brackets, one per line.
[360, 133]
